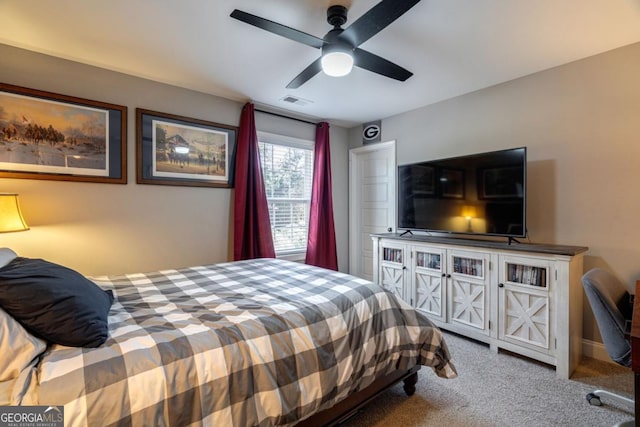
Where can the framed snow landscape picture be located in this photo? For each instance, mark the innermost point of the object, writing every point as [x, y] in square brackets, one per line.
[44, 135]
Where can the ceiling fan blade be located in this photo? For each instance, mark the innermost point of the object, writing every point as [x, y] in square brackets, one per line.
[376, 64]
[279, 29]
[305, 75]
[375, 20]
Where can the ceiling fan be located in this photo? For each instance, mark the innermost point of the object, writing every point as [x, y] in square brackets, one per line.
[340, 51]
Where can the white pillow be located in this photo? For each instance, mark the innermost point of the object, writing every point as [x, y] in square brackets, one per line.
[18, 347]
[6, 256]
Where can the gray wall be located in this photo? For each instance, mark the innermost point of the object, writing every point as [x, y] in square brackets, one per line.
[581, 125]
[107, 228]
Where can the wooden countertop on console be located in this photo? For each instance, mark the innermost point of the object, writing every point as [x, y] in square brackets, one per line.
[493, 244]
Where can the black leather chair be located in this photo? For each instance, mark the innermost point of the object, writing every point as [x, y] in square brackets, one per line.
[612, 307]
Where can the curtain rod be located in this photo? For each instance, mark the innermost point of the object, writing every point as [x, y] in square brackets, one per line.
[286, 117]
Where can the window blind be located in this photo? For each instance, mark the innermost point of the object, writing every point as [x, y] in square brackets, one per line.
[288, 173]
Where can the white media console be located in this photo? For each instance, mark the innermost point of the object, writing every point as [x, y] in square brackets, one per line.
[521, 297]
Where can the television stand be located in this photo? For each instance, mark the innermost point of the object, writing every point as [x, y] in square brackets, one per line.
[524, 298]
[406, 232]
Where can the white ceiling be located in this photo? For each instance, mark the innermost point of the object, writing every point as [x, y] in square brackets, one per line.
[453, 47]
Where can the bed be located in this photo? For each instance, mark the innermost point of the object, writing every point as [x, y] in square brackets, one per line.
[248, 343]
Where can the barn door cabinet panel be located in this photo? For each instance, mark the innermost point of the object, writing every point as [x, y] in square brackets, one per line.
[523, 303]
[392, 270]
[428, 276]
[469, 291]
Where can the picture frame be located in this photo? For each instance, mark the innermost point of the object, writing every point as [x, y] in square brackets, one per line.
[451, 183]
[500, 183]
[50, 136]
[422, 179]
[183, 151]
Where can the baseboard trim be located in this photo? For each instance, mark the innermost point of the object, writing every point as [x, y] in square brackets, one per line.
[595, 350]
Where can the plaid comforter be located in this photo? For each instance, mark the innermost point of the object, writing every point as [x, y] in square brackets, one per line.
[259, 342]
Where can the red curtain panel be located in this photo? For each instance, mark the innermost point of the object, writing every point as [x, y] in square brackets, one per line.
[321, 247]
[251, 227]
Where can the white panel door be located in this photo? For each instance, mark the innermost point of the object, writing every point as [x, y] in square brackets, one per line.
[372, 202]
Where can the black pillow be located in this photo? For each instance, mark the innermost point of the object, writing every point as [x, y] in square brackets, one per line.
[54, 302]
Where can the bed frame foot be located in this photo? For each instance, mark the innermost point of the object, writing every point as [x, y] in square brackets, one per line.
[410, 384]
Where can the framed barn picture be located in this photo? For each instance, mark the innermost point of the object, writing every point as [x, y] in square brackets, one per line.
[176, 150]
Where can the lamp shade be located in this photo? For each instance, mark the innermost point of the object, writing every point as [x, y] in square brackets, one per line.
[10, 216]
[469, 211]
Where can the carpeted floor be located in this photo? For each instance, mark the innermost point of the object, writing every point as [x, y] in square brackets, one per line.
[501, 390]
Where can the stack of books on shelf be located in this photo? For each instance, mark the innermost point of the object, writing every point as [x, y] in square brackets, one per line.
[428, 260]
[468, 266]
[393, 255]
[528, 275]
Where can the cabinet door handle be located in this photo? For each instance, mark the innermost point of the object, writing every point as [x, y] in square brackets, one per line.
[444, 275]
[501, 285]
[389, 229]
[404, 267]
[448, 276]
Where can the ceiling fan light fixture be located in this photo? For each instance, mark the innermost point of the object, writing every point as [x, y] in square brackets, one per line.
[336, 63]
[340, 46]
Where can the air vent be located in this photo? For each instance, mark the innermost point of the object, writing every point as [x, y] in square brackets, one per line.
[295, 100]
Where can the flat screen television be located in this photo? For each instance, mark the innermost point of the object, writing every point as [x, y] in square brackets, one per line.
[479, 194]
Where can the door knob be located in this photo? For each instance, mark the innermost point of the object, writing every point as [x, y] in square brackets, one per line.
[389, 229]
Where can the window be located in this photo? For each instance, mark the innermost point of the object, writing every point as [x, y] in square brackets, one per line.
[287, 167]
